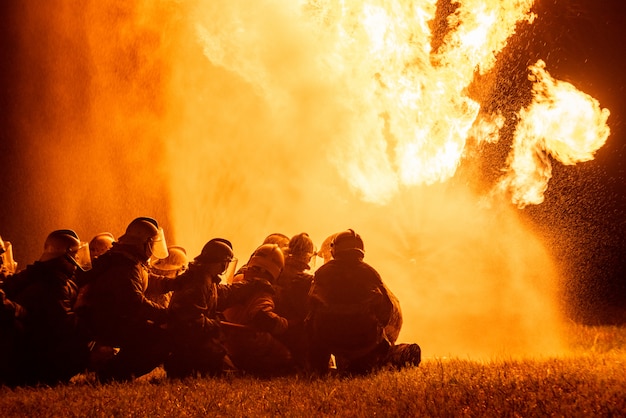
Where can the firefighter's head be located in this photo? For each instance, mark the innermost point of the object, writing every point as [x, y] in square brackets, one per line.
[279, 239]
[100, 244]
[268, 259]
[347, 245]
[65, 246]
[301, 247]
[217, 257]
[147, 238]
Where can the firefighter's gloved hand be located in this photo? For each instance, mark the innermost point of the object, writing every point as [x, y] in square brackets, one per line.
[212, 327]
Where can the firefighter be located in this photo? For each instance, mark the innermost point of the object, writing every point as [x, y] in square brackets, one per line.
[114, 309]
[292, 289]
[353, 315]
[252, 326]
[193, 324]
[48, 345]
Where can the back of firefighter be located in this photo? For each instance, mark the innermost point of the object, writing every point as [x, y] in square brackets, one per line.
[47, 346]
[292, 289]
[196, 347]
[353, 315]
[114, 308]
[252, 326]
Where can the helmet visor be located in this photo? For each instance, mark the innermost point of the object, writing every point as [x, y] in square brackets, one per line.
[229, 273]
[80, 257]
[7, 264]
[158, 246]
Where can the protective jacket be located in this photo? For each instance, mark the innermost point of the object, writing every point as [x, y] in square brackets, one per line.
[194, 324]
[292, 289]
[113, 301]
[49, 346]
[352, 313]
[253, 346]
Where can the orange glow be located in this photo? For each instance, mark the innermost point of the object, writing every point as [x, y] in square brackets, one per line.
[561, 122]
[239, 118]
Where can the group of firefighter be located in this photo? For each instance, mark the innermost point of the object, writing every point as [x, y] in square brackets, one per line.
[120, 308]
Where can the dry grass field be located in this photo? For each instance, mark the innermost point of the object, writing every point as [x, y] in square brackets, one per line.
[590, 382]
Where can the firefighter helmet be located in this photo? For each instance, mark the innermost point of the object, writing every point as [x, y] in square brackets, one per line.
[59, 243]
[301, 246]
[145, 232]
[65, 243]
[216, 250]
[325, 249]
[100, 244]
[347, 242]
[279, 239]
[172, 265]
[270, 258]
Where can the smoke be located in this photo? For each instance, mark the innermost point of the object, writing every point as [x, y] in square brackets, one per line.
[238, 119]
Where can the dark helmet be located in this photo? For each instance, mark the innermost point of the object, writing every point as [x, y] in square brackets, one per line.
[59, 243]
[270, 258]
[347, 243]
[301, 246]
[145, 231]
[216, 250]
[65, 243]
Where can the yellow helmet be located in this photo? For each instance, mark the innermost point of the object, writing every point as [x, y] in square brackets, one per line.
[100, 244]
[270, 258]
[175, 263]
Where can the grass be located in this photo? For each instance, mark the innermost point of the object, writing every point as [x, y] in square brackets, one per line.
[589, 382]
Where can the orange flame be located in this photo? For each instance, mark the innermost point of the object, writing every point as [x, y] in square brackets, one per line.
[411, 105]
[561, 122]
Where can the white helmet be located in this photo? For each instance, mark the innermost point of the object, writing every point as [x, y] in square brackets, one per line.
[270, 258]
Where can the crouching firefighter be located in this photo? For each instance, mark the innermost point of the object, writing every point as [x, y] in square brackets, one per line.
[252, 326]
[196, 347]
[114, 309]
[353, 315]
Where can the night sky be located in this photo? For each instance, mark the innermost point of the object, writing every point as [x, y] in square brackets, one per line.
[583, 217]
